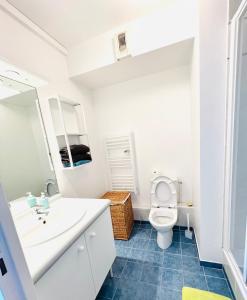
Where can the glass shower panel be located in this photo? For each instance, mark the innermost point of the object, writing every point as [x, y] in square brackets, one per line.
[239, 196]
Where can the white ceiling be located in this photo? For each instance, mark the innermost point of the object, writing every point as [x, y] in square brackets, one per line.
[73, 21]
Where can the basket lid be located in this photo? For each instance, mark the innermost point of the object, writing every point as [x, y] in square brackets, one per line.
[116, 197]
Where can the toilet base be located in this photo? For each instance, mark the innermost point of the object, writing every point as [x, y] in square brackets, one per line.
[164, 239]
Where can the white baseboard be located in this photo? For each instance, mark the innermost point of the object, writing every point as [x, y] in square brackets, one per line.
[234, 276]
[141, 214]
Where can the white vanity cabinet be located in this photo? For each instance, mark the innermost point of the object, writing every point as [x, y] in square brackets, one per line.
[101, 248]
[79, 273]
[69, 277]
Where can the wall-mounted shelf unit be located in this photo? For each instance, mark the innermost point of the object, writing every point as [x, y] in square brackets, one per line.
[71, 132]
[168, 56]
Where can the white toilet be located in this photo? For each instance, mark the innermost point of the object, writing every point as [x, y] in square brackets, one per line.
[163, 214]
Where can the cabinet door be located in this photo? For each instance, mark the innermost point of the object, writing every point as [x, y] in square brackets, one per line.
[70, 277]
[101, 247]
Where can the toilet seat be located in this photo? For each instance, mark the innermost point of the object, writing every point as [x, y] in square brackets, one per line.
[163, 214]
[163, 217]
[163, 192]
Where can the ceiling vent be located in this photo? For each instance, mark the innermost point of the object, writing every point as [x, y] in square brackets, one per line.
[121, 46]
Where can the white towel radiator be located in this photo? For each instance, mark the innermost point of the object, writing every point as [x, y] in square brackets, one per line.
[120, 154]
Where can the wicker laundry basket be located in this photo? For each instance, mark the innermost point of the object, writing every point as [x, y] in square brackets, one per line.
[121, 213]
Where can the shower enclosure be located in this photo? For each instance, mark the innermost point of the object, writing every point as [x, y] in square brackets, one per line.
[235, 239]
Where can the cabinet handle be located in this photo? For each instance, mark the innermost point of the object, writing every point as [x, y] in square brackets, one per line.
[81, 249]
[92, 234]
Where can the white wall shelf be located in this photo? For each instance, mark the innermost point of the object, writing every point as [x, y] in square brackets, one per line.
[72, 134]
[70, 128]
[160, 59]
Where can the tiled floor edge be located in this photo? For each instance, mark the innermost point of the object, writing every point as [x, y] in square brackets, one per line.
[218, 266]
[229, 283]
[209, 264]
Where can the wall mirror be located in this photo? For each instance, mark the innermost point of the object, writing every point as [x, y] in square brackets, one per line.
[25, 160]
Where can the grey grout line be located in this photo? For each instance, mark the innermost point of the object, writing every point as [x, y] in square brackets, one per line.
[164, 252]
[114, 294]
[215, 277]
[163, 259]
[123, 269]
[141, 271]
[182, 268]
[205, 278]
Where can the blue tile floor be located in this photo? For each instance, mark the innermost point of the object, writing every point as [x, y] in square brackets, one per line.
[143, 271]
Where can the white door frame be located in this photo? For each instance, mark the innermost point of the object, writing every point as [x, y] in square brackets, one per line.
[232, 128]
[15, 249]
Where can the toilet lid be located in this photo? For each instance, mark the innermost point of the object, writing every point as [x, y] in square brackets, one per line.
[163, 192]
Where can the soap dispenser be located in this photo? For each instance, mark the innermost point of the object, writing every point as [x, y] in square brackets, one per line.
[31, 200]
[44, 202]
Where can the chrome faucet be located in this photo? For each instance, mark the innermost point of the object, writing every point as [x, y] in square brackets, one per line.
[41, 211]
[41, 214]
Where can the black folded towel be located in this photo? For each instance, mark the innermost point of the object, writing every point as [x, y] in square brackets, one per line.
[75, 149]
[78, 157]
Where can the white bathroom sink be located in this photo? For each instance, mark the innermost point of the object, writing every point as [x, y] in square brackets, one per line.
[61, 218]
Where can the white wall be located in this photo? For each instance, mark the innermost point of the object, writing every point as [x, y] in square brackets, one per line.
[195, 127]
[175, 23]
[22, 47]
[213, 17]
[157, 109]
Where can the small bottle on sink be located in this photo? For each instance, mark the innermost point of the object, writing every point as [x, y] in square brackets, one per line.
[44, 202]
[31, 200]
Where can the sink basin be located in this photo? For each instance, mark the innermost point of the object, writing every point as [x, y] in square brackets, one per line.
[61, 218]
